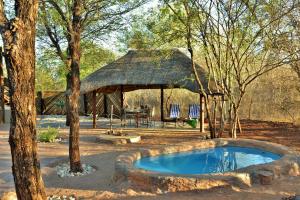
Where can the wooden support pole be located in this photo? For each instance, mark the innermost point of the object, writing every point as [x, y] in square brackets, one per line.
[222, 120]
[161, 103]
[215, 117]
[202, 113]
[2, 114]
[85, 104]
[40, 102]
[122, 97]
[94, 109]
[105, 105]
[111, 117]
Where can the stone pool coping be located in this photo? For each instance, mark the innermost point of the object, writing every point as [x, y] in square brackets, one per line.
[287, 165]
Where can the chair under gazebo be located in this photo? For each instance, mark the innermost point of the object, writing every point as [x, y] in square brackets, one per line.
[146, 69]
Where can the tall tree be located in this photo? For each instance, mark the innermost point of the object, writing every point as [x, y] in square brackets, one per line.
[74, 30]
[290, 39]
[238, 40]
[178, 18]
[66, 22]
[18, 36]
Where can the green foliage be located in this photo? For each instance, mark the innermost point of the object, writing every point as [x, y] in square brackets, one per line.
[93, 57]
[48, 135]
[45, 80]
[51, 71]
[137, 36]
[156, 29]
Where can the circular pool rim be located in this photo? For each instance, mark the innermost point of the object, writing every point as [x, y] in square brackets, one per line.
[142, 179]
[188, 162]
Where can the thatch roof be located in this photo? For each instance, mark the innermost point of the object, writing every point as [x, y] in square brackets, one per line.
[141, 69]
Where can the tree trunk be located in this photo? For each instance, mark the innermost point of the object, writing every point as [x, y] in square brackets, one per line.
[210, 125]
[230, 119]
[234, 108]
[215, 117]
[234, 126]
[250, 108]
[67, 102]
[234, 122]
[190, 49]
[19, 53]
[201, 90]
[222, 117]
[2, 113]
[239, 125]
[74, 53]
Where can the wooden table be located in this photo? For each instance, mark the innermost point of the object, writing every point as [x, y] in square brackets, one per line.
[137, 113]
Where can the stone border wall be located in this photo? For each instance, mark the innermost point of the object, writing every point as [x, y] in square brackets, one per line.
[287, 165]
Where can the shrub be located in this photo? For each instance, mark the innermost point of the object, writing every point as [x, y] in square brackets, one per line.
[48, 135]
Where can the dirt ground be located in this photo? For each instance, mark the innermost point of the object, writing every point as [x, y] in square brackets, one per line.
[99, 185]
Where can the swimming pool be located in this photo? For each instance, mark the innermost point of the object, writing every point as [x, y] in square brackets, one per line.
[205, 164]
[206, 161]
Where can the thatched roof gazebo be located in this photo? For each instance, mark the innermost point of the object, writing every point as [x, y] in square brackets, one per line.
[145, 69]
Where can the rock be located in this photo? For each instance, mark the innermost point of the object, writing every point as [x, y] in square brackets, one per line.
[64, 197]
[134, 139]
[131, 192]
[202, 137]
[9, 196]
[265, 177]
[159, 191]
[291, 198]
[115, 139]
[64, 170]
[294, 169]
[207, 137]
[119, 141]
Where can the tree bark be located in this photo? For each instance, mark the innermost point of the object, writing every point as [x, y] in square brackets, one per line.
[19, 53]
[235, 121]
[2, 113]
[74, 53]
[222, 117]
[201, 91]
[234, 126]
[230, 119]
[250, 108]
[215, 117]
[67, 101]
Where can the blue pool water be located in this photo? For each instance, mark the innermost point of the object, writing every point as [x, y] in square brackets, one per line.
[205, 161]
